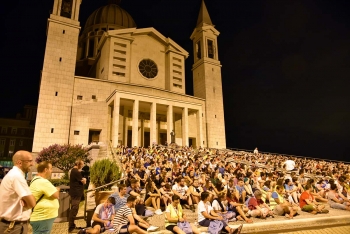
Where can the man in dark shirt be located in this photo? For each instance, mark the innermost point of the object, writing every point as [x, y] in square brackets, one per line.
[76, 191]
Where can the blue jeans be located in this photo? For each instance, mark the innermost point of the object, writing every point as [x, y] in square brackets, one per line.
[42, 226]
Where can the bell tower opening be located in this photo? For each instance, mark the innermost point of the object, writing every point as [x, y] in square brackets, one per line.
[66, 8]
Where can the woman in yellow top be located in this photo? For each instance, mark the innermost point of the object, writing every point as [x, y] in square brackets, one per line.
[174, 215]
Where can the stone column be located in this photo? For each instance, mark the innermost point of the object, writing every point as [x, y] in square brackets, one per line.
[135, 124]
[153, 124]
[169, 123]
[185, 126]
[116, 120]
[126, 126]
[199, 128]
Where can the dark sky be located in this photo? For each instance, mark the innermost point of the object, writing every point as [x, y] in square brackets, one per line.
[285, 64]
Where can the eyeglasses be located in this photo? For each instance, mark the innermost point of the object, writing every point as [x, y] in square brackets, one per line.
[26, 160]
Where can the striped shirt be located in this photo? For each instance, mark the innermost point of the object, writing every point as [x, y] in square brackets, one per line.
[121, 216]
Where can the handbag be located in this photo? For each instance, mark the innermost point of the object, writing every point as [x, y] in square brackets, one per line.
[185, 227]
[215, 226]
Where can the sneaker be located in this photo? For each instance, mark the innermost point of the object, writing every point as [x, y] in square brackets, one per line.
[158, 212]
[152, 228]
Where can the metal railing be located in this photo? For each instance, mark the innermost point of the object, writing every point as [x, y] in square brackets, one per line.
[289, 155]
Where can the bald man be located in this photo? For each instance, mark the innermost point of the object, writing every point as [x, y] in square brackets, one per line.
[16, 198]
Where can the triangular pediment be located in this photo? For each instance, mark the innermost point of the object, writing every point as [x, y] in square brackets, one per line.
[152, 32]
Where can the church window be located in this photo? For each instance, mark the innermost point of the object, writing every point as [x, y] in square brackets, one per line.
[79, 97]
[52, 130]
[177, 66]
[177, 86]
[148, 68]
[119, 66]
[2, 141]
[20, 143]
[177, 59]
[119, 74]
[120, 52]
[60, 59]
[66, 8]
[198, 50]
[177, 79]
[64, 31]
[177, 72]
[120, 44]
[91, 48]
[12, 142]
[14, 131]
[76, 132]
[119, 59]
[4, 130]
[210, 49]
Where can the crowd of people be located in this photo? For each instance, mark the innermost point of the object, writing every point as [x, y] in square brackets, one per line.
[218, 186]
[228, 185]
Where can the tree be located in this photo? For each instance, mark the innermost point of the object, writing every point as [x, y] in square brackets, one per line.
[64, 156]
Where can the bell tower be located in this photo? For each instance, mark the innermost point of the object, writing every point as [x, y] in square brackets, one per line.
[207, 78]
[57, 77]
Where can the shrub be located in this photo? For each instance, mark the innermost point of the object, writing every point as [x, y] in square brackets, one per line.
[103, 172]
[64, 156]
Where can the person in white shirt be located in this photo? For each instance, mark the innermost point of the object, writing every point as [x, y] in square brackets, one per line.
[183, 192]
[289, 164]
[206, 214]
[16, 198]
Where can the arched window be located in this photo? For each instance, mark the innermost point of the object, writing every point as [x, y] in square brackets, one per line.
[66, 8]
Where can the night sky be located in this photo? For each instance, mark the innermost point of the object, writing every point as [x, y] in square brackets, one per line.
[285, 65]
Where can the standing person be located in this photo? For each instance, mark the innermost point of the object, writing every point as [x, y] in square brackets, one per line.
[46, 196]
[124, 222]
[16, 198]
[172, 135]
[76, 191]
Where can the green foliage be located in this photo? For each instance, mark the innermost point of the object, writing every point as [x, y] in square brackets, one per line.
[103, 172]
[58, 182]
[63, 156]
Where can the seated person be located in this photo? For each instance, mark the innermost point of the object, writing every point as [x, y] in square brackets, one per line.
[291, 191]
[257, 207]
[153, 196]
[195, 191]
[174, 214]
[308, 203]
[236, 207]
[102, 217]
[335, 201]
[166, 193]
[240, 191]
[124, 222]
[206, 214]
[283, 207]
[220, 207]
[183, 192]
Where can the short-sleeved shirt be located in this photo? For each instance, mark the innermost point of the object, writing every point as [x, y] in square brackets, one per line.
[240, 189]
[253, 202]
[179, 189]
[13, 187]
[305, 195]
[201, 208]
[121, 217]
[76, 186]
[332, 196]
[104, 213]
[119, 201]
[46, 208]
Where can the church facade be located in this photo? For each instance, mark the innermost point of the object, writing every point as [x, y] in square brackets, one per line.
[111, 81]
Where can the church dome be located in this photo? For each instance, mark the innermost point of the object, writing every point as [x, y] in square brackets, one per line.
[109, 17]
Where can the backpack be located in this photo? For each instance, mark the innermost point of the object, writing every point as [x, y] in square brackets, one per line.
[185, 227]
[215, 227]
